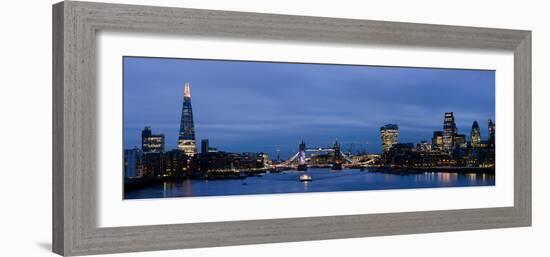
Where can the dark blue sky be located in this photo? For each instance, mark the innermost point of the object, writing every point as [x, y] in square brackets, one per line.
[259, 106]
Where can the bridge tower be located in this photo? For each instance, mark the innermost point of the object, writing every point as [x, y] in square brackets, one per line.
[302, 164]
[338, 159]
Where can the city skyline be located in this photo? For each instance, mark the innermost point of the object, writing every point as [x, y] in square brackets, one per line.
[323, 102]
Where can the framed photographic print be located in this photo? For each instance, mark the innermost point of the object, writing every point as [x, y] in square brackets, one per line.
[183, 128]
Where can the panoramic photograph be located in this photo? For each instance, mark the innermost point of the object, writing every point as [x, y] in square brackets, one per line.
[197, 127]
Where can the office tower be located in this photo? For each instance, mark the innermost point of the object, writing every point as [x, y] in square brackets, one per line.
[186, 139]
[132, 163]
[151, 143]
[176, 164]
[449, 131]
[475, 135]
[437, 140]
[460, 140]
[388, 135]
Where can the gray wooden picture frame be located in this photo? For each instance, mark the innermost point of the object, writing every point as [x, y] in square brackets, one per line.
[75, 25]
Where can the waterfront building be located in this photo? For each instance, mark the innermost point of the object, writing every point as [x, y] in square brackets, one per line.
[400, 155]
[437, 140]
[263, 160]
[219, 163]
[153, 164]
[475, 135]
[151, 143]
[449, 131]
[252, 161]
[216, 162]
[424, 146]
[132, 163]
[389, 135]
[186, 139]
[176, 164]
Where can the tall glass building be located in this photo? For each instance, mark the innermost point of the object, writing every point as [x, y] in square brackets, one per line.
[475, 135]
[388, 135]
[186, 139]
[449, 131]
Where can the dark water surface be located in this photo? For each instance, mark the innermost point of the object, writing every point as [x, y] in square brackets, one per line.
[324, 180]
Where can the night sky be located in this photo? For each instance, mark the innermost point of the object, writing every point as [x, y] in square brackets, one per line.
[261, 106]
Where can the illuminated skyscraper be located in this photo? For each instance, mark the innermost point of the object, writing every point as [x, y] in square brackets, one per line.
[153, 150]
[151, 143]
[437, 140]
[449, 131]
[475, 135]
[186, 139]
[388, 135]
[460, 140]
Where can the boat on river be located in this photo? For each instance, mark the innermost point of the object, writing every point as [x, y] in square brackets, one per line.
[305, 178]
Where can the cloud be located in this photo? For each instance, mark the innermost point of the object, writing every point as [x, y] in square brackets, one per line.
[248, 104]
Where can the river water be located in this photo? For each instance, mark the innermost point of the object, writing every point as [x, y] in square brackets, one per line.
[323, 180]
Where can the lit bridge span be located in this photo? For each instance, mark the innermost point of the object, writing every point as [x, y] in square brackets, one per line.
[332, 156]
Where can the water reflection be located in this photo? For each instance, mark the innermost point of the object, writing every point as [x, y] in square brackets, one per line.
[323, 180]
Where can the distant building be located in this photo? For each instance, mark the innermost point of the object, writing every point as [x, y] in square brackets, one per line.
[151, 143]
[475, 135]
[176, 164]
[132, 163]
[224, 162]
[424, 146]
[401, 154]
[264, 159]
[460, 140]
[389, 135]
[186, 139]
[447, 149]
[449, 131]
[204, 146]
[437, 140]
[153, 164]
[491, 133]
[404, 147]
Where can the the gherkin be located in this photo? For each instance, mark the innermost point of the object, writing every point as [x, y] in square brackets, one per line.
[475, 135]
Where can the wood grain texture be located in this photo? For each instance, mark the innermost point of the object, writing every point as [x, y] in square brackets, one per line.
[75, 24]
[58, 217]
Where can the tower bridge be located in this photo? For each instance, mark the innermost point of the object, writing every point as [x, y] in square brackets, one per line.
[319, 157]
